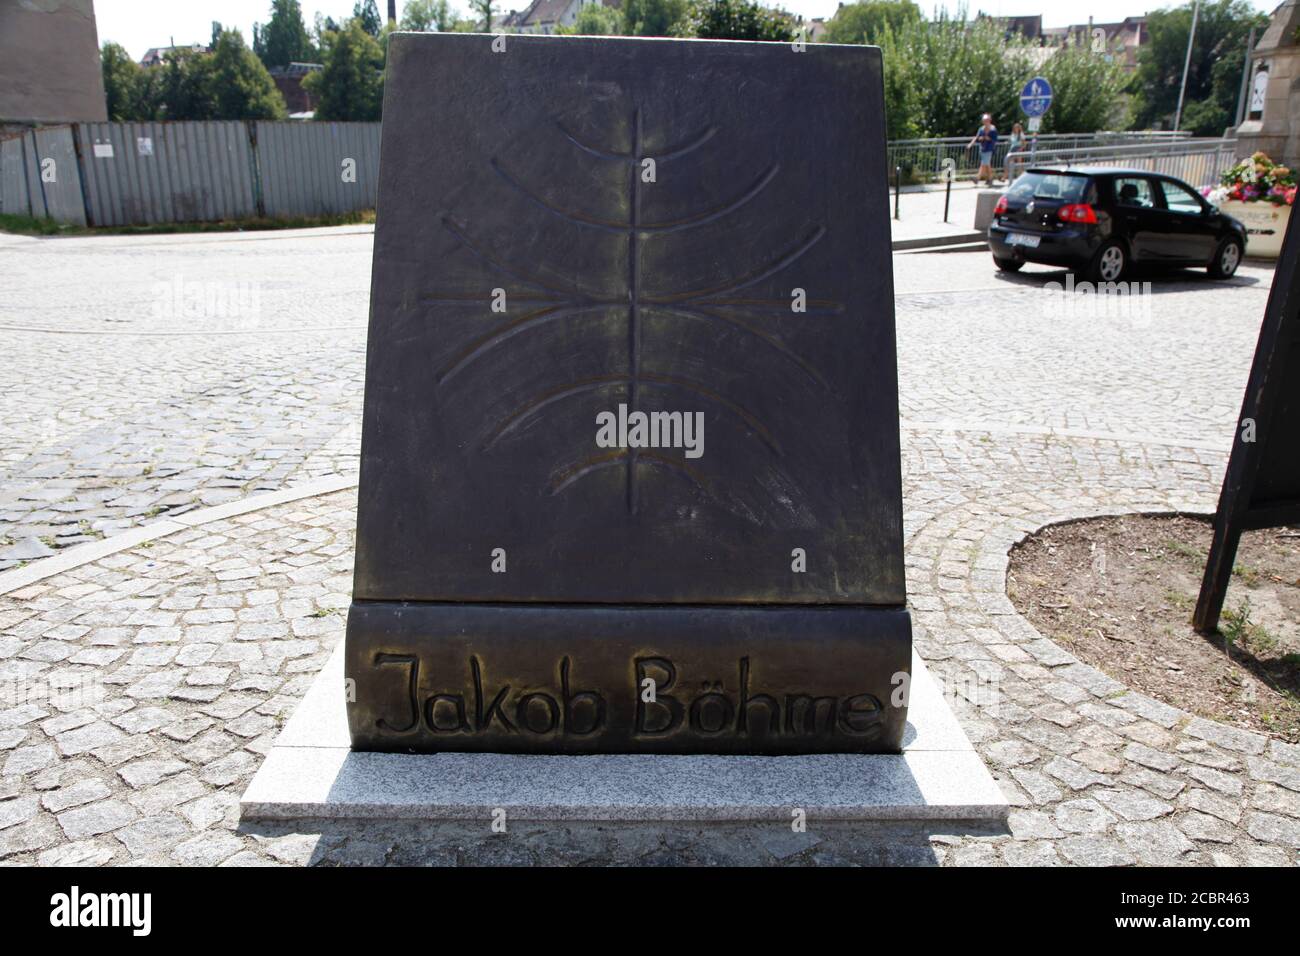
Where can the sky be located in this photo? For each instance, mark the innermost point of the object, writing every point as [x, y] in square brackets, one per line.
[141, 24]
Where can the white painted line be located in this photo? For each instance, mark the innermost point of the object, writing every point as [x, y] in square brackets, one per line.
[75, 557]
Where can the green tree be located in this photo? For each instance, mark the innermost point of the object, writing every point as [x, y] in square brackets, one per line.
[284, 39]
[1211, 101]
[739, 20]
[367, 13]
[487, 12]
[389, 29]
[182, 86]
[322, 26]
[941, 76]
[425, 16]
[654, 18]
[350, 84]
[953, 72]
[880, 23]
[237, 84]
[865, 22]
[125, 85]
[1086, 91]
[903, 119]
[596, 19]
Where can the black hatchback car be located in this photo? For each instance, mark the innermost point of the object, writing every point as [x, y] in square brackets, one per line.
[1098, 221]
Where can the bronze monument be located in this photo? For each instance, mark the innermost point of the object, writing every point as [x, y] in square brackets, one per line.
[630, 472]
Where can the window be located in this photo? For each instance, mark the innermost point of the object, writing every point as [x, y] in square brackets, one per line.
[1179, 198]
[1063, 186]
[1134, 191]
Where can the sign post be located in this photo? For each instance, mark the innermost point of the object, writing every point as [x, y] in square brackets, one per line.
[1261, 488]
[1035, 100]
[1036, 97]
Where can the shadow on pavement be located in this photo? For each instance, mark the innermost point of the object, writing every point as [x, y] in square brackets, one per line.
[1162, 280]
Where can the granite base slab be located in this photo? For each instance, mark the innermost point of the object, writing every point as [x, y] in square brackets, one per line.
[311, 772]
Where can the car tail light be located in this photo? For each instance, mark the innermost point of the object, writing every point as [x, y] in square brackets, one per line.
[1077, 212]
[1001, 208]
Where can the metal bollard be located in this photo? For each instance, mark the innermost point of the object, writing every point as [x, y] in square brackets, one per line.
[898, 175]
[947, 198]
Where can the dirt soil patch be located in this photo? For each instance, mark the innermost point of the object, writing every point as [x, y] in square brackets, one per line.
[1118, 593]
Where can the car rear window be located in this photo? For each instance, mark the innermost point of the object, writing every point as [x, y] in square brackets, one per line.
[1063, 186]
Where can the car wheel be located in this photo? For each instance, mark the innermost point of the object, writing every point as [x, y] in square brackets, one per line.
[1226, 258]
[1008, 265]
[1109, 263]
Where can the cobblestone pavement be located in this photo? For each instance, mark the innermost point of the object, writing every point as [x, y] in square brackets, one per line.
[149, 376]
[203, 641]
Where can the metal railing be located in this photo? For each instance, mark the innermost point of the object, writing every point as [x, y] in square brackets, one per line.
[1199, 162]
[924, 160]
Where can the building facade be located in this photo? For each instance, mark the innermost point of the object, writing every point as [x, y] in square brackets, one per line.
[547, 16]
[49, 63]
[1120, 40]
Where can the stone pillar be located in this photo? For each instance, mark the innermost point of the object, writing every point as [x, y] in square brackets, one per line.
[1272, 122]
[49, 63]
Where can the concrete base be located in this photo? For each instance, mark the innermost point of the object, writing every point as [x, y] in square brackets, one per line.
[939, 242]
[312, 773]
[985, 203]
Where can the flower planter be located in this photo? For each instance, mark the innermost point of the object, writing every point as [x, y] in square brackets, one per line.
[1265, 224]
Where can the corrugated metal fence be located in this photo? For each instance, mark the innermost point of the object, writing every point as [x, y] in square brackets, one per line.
[304, 168]
[114, 174]
[39, 176]
[138, 173]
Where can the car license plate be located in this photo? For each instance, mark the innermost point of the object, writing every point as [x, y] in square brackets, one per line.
[1021, 239]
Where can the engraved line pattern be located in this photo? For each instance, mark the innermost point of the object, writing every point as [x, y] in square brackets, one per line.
[716, 305]
[521, 414]
[615, 226]
[567, 476]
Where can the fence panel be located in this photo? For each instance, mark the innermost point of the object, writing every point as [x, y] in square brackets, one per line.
[302, 167]
[1199, 162]
[13, 177]
[142, 173]
[923, 160]
[60, 189]
[39, 176]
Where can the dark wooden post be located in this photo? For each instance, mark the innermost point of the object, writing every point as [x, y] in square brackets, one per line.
[1261, 488]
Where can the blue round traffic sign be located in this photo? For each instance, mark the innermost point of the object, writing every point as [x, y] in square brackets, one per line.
[1036, 97]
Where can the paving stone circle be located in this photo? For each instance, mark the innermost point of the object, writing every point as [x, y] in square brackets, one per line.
[202, 641]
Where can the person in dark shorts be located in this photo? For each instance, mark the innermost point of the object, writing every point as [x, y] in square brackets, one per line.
[986, 138]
